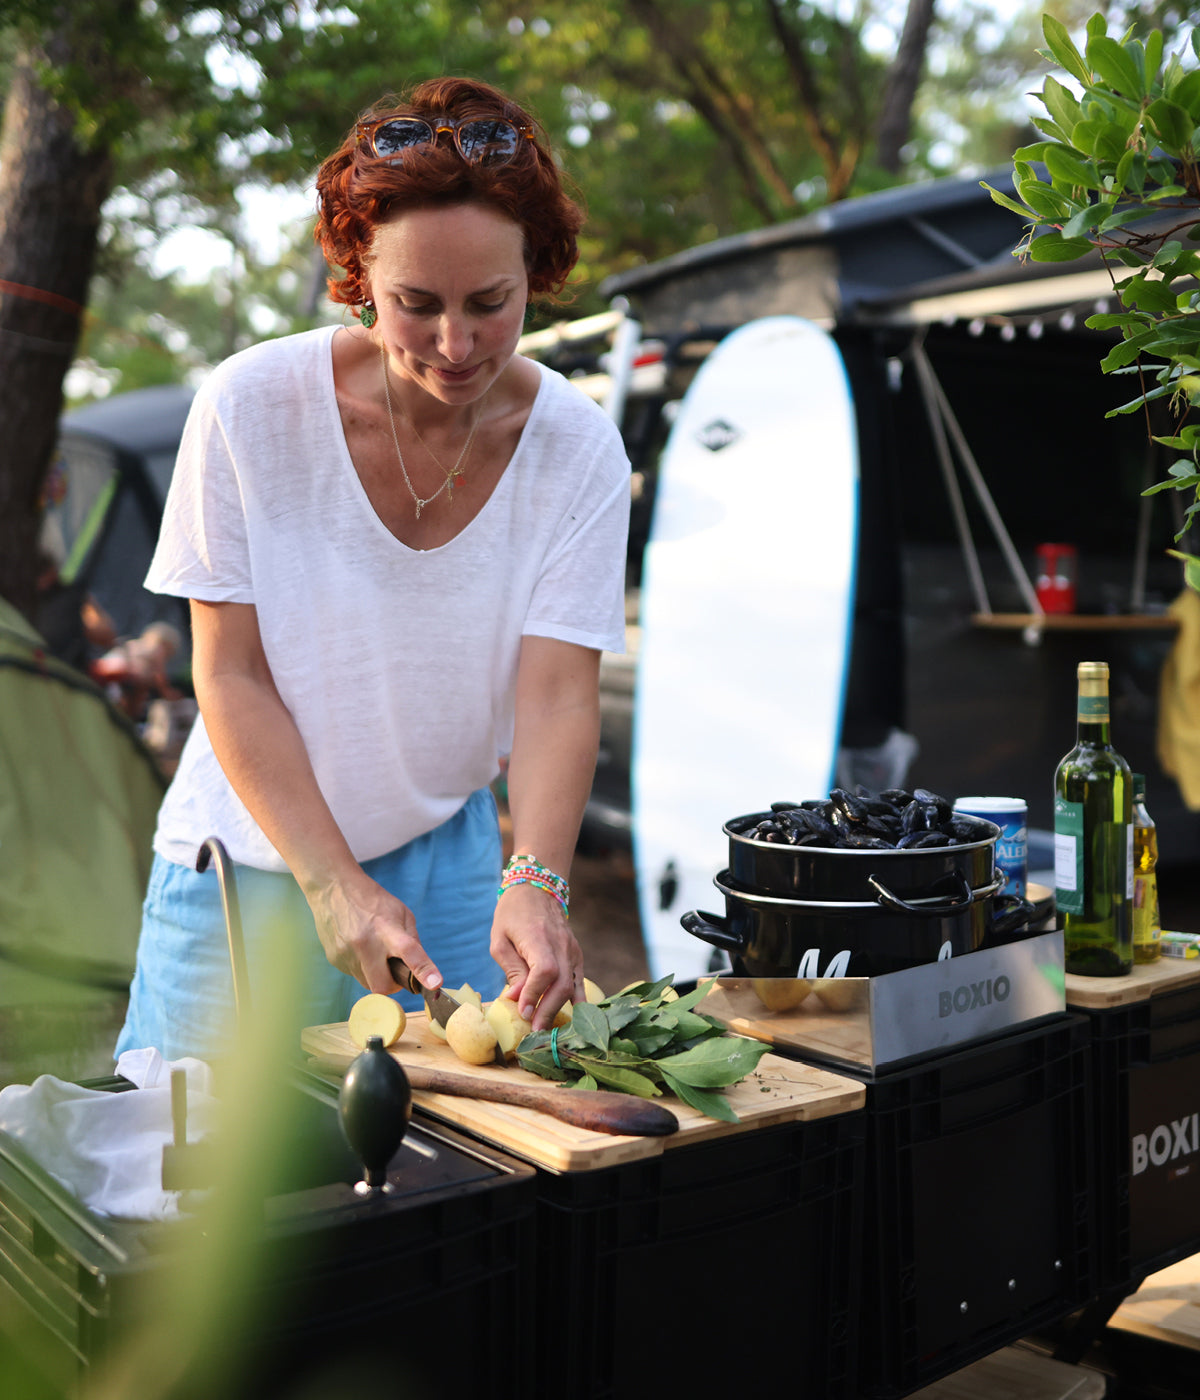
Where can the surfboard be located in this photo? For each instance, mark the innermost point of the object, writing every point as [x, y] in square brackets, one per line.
[745, 616]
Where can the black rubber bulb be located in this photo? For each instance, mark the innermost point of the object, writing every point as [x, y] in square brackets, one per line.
[374, 1106]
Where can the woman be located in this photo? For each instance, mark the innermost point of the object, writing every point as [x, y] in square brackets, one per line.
[404, 548]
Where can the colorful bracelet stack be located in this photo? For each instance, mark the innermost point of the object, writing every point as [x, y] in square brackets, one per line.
[528, 870]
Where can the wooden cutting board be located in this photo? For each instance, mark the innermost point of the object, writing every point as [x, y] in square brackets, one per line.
[778, 1091]
[1144, 981]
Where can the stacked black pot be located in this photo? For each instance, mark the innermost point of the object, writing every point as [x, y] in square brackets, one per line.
[796, 908]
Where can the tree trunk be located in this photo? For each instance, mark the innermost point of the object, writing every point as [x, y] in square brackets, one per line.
[904, 77]
[51, 193]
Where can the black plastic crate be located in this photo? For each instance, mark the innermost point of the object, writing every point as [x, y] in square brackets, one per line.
[1146, 1075]
[394, 1288]
[717, 1265]
[978, 1222]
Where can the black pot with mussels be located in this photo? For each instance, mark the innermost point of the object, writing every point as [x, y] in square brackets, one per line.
[832, 848]
[863, 883]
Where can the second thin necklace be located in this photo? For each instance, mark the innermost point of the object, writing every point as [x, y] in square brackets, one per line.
[454, 473]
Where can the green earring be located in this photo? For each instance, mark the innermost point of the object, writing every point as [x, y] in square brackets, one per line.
[367, 316]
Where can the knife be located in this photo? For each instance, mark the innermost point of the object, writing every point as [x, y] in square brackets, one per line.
[439, 1003]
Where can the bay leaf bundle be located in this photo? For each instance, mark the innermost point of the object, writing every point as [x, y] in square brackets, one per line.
[646, 1040]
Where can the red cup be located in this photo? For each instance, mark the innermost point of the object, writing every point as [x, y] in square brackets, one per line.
[1057, 568]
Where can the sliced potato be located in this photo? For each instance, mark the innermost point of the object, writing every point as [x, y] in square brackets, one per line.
[376, 1014]
[467, 993]
[510, 1026]
[591, 991]
[470, 1037]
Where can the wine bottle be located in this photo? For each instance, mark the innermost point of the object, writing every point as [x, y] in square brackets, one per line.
[1093, 839]
[1147, 928]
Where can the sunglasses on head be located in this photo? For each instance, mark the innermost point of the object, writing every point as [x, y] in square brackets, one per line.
[479, 140]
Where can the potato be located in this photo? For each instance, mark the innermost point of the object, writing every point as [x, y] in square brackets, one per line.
[841, 993]
[591, 992]
[375, 1014]
[781, 994]
[510, 1026]
[470, 1037]
[466, 994]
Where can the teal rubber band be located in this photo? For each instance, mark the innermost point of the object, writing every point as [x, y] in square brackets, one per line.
[554, 1047]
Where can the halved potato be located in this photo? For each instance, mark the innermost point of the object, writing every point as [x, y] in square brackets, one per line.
[376, 1014]
[510, 1026]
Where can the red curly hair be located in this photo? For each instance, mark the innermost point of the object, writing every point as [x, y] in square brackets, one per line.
[357, 192]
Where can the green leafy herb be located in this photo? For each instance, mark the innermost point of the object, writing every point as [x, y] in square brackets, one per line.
[643, 1041]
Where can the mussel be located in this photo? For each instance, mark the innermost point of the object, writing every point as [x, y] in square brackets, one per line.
[895, 818]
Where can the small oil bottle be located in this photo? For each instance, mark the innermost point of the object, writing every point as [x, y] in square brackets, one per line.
[1147, 927]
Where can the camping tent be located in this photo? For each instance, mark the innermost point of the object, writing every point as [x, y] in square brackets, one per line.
[79, 794]
[107, 490]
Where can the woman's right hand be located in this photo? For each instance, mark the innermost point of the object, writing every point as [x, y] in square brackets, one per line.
[361, 925]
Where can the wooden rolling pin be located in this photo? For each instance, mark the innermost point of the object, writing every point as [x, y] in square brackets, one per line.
[599, 1110]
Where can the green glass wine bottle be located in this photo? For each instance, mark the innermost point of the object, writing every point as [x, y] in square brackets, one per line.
[1093, 839]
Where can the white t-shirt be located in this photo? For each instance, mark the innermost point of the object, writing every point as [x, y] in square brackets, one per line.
[398, 665]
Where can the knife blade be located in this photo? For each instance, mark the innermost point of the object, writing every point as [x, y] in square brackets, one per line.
[439, 1003]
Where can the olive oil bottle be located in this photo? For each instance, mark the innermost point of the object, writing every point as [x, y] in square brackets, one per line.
[1093, 839]
[1147, 927]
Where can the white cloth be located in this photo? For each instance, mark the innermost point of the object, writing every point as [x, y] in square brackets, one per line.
[398, 665]
[104, 1147]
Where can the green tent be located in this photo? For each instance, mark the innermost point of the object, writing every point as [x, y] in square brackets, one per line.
[79, 793]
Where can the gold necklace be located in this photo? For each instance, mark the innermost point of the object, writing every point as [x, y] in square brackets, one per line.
[452, 475]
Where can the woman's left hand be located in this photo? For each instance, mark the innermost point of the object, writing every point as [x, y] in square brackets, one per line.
[533, 943]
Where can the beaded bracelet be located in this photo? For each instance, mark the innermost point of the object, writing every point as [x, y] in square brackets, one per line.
[528, 870]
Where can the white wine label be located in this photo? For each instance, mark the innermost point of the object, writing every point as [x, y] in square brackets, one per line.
[1068, 856]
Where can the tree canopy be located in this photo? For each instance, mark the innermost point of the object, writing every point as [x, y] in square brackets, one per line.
[681, 121]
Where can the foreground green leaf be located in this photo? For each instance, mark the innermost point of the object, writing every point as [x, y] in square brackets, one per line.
[715, 1063]
[707, 1101]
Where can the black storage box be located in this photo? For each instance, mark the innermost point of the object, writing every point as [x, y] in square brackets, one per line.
[978, 1226]
[715, 1266]
[1146, 1072]
[400, 1286]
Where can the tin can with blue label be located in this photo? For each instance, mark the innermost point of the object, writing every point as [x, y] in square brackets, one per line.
[1011, 815]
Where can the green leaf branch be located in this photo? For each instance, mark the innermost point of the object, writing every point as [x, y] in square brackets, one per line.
[643, 1041]
[1118, 173]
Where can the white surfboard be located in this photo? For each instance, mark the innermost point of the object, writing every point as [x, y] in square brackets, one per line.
[746, 613]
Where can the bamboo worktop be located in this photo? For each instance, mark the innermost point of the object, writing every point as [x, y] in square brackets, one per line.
[1144, 981]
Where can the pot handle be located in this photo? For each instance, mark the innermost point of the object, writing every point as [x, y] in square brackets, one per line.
[933, 909]
[711, 928]
[1009, 913]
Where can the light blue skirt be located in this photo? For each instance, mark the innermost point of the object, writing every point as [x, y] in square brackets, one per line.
[181, 998]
